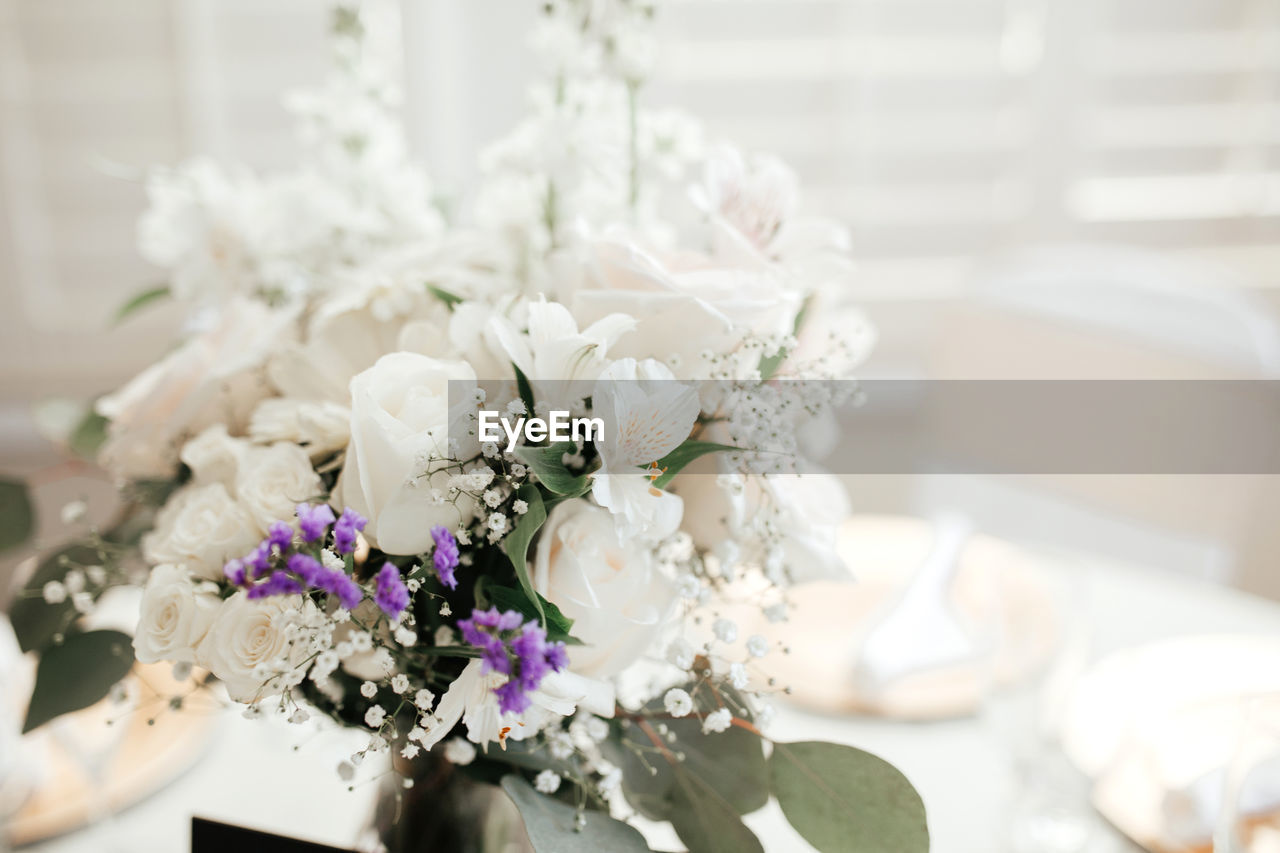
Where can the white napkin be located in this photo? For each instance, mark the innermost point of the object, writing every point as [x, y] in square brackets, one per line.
[921, 630]
[1191, 812]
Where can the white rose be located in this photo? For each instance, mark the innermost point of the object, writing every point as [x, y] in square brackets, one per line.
[618, 600]
[251, 642]
[400, 430]
[201, 527]
[214, 456]
[684, 307]
[173, 617]
[322, 427]
[273, 480]
[213, 378]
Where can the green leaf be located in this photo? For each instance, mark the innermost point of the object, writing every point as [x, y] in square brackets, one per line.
[552, 825]
[722, 776]
[77, 674]
[140, 301]
[705, 822]
[548, 464]
[89, 435]
[843, 799]
[524, 388]
[506, 598]
[35, 621]
[17, 518]
[769, 364]
[730, 763]
[516, 543]
[449, 299]
[673, 463]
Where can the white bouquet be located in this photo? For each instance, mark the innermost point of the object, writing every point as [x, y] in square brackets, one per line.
[473, 483]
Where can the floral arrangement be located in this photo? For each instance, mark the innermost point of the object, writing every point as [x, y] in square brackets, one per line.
[325, 527]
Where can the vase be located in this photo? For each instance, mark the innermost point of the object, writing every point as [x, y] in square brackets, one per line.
[445, 809]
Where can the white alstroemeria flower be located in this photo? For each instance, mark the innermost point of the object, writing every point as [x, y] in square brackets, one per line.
[647, 415]
[756, 198]
[553, 348]
[753, 205]
[471, 700]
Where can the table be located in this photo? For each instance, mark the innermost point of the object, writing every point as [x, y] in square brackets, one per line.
[955, 764]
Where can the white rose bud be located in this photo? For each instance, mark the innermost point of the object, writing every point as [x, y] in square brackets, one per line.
[201, 527]
[618, 600]
[400, 419]
[213, 456]
[274, 480]
[247, 635]
[173, 618]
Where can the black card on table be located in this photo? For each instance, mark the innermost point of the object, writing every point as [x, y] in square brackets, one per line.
[209, 836]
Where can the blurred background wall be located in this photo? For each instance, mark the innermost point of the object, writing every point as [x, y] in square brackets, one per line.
[1035, 188]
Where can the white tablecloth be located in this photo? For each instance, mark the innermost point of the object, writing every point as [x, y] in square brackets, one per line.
[253, 776]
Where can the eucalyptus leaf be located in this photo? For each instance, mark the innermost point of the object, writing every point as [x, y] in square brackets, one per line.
[35, 621]
[77, 673]
[516, 543]
[548, 464]
[552, 825]
[705, 822]
[88, 436]
[701, 782]
[675, 461]
[845, 800]
[721, 777]
[140, 301]
[17, 517]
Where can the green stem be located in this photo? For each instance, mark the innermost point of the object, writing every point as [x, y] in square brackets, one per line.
[633, 197]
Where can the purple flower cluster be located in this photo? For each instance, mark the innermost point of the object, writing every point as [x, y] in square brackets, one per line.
[445, 558]
[314, 521]
[516, 649]
[288, 571]
[345, 530]
[391, 596]
[335, 582]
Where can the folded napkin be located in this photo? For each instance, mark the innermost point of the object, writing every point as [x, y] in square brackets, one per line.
[1192, 811]
[920, 631]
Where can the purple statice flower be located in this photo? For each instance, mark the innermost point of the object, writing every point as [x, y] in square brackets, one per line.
[446, 555]
[314, 521]
[234, 571]
[278, 584]
[259, 560]
[307, 568]
[519, 651]
[280, 536]
[392, 597]
[512, 698]
[345, 530]
[338, 584]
